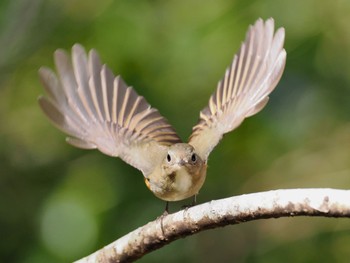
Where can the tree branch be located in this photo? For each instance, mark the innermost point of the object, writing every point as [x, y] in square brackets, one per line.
[218, 213]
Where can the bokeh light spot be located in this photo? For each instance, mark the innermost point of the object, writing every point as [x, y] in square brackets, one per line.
[68, 229]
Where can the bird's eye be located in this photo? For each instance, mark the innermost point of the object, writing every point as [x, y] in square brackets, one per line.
[168, 158]
[194, 157]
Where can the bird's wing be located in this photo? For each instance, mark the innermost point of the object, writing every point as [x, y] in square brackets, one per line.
[99, 111]
[243, 92]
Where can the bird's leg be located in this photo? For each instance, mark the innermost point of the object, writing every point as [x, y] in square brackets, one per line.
[194, 200]
[166, 211]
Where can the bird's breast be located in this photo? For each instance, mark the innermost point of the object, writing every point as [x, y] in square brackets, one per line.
[178, 185]
[182, 181]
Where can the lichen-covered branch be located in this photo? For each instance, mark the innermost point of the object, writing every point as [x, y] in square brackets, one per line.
[218, 213]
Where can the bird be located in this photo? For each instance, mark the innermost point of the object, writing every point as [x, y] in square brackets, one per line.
[98, 110]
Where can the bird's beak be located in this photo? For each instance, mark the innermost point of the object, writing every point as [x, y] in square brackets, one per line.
[182, 162]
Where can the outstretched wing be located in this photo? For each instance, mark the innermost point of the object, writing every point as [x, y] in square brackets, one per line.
[243, 92]
[99, 111]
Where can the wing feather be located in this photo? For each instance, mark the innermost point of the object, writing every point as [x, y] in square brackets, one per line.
[243, 92]
[98, 110]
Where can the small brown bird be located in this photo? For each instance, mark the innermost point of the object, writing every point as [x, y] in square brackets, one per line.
[99, 111]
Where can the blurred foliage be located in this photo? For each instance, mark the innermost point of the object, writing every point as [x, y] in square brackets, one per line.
[58, 203]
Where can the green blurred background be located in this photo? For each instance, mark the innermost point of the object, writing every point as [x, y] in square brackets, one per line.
[58, 203]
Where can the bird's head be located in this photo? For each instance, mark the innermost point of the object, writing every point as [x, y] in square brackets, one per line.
[179, 156]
